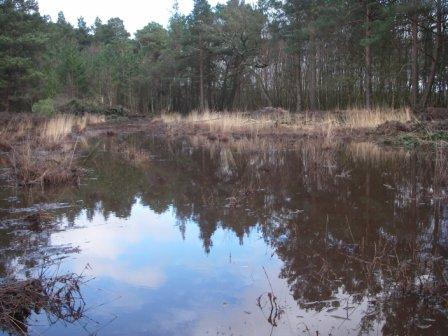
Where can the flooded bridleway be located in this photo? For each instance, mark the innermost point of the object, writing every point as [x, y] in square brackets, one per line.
[181, 238]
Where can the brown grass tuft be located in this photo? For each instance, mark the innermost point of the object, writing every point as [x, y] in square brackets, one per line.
[37, 166]
[58, 128]
[39, 150]
[325, 123]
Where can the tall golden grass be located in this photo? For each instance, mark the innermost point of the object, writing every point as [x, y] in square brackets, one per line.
[219, 121]
[35, 165]
[325, 122]
[37, 150]
[373, 118]
[57, 128]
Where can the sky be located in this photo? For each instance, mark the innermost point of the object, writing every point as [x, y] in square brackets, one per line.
[135, 13]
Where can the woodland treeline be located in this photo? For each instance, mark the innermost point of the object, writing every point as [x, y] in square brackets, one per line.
[295, 54]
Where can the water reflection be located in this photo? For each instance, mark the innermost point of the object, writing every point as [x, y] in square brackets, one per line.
[205, 238]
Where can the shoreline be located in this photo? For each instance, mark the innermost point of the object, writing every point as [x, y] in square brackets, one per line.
[45, 150]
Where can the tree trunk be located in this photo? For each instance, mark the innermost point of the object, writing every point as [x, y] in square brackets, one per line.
[414, 60]
[236, 78]
[264, 90]
[312, 70]
[235, 88]
[435, 56]
[299, 85]
[223, 96]
[368, 60]
[201, 81]
[6, 98]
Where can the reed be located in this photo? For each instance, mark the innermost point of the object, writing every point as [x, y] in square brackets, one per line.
[324, 123]
[39, 150]
[56, 129]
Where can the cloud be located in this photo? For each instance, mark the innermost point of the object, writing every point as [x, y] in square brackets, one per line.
[109, 247]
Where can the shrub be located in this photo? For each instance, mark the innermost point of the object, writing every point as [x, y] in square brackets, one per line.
[80, 107]
[44, 107]
[118, 111]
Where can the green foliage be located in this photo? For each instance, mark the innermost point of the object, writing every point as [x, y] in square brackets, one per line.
[44, 107]
[412, 140]
[232, 56]
[437, 136]
[22, 41]
[153, 40]
[80, 107]
[111, 32]
[409, 141]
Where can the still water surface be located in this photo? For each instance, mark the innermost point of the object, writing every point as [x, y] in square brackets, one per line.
[222, 240]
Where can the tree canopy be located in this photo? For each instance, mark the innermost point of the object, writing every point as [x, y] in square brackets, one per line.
[295, 54]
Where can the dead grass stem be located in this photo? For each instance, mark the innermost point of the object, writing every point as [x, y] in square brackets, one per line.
[321, 122]
[56, 129]
[39, 150]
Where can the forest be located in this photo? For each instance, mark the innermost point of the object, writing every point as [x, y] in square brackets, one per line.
[295, 54]
[270, 167]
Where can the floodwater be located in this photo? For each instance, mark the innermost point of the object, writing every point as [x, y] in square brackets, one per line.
[176, 239]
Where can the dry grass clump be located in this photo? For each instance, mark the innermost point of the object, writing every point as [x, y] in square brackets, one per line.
[13, 129]
[58, 296]
[39, 166]
[17, 128]
[56, 129]
[133, 154]
[372, 118]
[351, 119]
[220, 121]
[171, 118]
[325, 123]
[38, 149]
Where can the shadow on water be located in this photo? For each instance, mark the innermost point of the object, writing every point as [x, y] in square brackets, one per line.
[359, 232]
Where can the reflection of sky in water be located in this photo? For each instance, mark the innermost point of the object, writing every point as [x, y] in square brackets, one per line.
[148, 281]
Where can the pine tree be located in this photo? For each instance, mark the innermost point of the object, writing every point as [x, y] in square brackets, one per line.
[22, 43]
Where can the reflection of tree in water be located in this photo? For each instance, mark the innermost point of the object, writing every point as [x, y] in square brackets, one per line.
[325, 212]
[25, 284]
[22, 249]
[59, 297]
